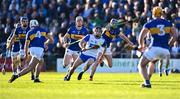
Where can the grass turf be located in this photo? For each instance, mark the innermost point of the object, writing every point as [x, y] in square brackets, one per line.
[104, 86]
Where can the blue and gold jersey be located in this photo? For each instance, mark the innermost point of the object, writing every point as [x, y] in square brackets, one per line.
[16, 44]
[110, 35]
[21, 34]
[37, 37]
[160, 30]
[76, 35]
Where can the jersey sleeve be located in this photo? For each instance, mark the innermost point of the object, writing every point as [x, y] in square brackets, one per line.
[146, 26]
[69, 30]
[16, 31]
[86, 38]
[170, 24]
[28, 36]
[86, 31]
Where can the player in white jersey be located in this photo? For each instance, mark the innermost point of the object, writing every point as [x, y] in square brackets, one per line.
[89, 45]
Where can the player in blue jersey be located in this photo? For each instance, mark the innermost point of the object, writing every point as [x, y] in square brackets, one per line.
[37, 40]
[20, 32]
[163, 34]
[89, 45]
[151, 65]
[70, 41]
[111, 32]
[15, 54]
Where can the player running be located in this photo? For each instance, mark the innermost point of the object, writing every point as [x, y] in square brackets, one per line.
[16, 62]
[148, 43]
[111, 32]
[89, 46]
[163, 34]
[21, 32]
[37, 40]
[70, 41]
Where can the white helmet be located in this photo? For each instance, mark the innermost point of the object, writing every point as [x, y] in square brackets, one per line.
[33, 23]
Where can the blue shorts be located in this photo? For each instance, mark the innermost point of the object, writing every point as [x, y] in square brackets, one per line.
[84, 57]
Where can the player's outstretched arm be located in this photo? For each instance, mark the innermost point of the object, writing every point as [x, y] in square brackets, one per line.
[11, 38]
[173, 35]
[125, 39]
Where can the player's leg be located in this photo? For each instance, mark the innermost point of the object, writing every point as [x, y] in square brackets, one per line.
[107, 57]
[74, 57]
[160, 67]
[18, 64]
[86, 67]
[143, 71]
[151, 68]
[94, 67]
[67, 59]
[15, 62]
[77, 62]
[14, 65]
[93, 70]
[27, 62]
[38, 70]
[34, 61]
[167, 65]
[108, 60]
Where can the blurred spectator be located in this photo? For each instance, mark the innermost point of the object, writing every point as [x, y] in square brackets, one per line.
[57, 15]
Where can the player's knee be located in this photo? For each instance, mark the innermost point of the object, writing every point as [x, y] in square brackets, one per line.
[110, 65]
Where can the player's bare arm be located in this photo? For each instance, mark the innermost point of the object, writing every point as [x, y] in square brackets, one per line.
[173, 35]
[82, 45]
[49, 40]
[65, 40]
[26, 46]
[142, 35]
[126, 39]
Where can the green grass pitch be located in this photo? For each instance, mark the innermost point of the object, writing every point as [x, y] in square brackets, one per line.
[104, 86]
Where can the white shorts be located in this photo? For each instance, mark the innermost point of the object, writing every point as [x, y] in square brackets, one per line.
[14, 54]
[37, 52]
[22, 53]
[108, 51]
[154, 53]
[70, 52]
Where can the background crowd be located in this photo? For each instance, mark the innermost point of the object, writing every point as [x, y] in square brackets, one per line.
[58, 15]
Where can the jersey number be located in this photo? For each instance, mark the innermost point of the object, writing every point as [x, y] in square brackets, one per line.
[162, 32]
[38, 34]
